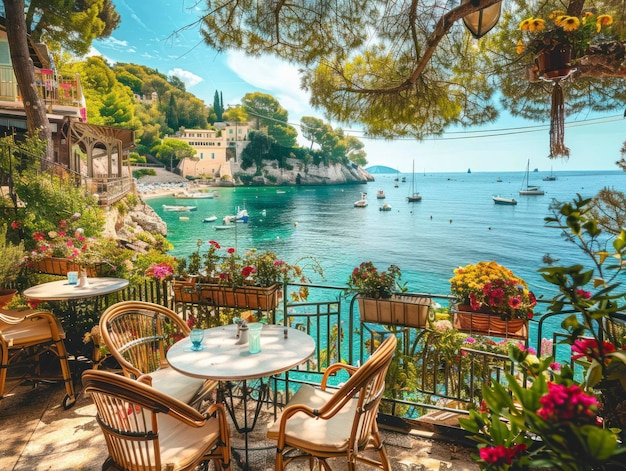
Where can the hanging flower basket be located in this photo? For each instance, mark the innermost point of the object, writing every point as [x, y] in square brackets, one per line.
[555, 63]
[241, 297]
[407, 311]
[486, 323]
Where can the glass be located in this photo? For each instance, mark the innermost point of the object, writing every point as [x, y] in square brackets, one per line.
[254, 337]
[72, 277]
[196, 336]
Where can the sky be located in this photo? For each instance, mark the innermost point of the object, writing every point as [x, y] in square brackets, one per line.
[161, 34]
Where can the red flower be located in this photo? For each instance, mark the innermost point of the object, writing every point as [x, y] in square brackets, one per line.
[247, 271]
[38, 236]
[15, 225]
[583, 294]
[215, 244]
[589, 348]
[515, 302]
[33, 303]
[231, 250]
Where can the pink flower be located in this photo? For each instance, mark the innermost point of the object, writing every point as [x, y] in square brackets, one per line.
[515, 302]
[63, 223]
[500, 455]
[568, 404]
[589, 348]
[39, 236]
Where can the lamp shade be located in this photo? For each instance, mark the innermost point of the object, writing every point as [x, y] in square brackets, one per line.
[482, 21]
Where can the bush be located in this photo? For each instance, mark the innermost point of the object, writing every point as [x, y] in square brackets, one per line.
[142, 172]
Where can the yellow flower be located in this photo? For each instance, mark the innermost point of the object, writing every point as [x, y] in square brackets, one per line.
[520, 47]
[555, 14]
[524, 25]
[569, 23]
[537, 25]
[586, 16]
[603, 20]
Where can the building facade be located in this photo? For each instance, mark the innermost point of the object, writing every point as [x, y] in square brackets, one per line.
[215, 149]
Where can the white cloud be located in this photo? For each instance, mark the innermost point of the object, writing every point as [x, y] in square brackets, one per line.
[93, 52]
[189, 78]
[113, 43]
[279, 78]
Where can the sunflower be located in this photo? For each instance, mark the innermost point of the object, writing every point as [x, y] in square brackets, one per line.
[603, 20]
[569, 23]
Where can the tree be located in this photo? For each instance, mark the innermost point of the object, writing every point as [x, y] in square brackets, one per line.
[267, 112]
[171, 151]
[236, 114]
[412, 68]
[218, 106]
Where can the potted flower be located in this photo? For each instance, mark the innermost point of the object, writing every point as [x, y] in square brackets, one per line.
[491, 300]
[556, 43]
[227, 278]
[379, 301]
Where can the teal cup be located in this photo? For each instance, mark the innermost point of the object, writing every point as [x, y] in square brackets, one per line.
[72, 277]
[254, 337]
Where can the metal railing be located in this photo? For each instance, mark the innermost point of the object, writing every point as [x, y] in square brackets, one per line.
[425, 375]
[52, 87]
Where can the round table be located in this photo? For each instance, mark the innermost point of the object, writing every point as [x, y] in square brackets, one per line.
[62, 291]
[224, 360]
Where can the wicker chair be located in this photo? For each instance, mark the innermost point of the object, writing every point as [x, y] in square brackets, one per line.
[146, 430]
[138, 335]
[321, 423]
[24, 336]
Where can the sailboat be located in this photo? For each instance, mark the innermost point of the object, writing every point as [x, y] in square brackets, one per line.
[529, 190]
[414, 196]
[550, 178]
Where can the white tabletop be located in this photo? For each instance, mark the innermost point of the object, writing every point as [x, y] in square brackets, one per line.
[222, 359]
[61, 290]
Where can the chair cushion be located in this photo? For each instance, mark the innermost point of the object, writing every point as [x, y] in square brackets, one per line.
[305, 432]
[32, 331]
[175, 384]
[181, 444]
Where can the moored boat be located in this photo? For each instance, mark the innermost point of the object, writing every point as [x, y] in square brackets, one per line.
[505, 201]
[362, 203]
[210, 219]
[414, 196]
[385, 207]
[380, 194]
[176, 207]
[530, 189]
[195, 196]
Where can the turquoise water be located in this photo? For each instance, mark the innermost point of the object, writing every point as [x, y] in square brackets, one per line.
[456, 223]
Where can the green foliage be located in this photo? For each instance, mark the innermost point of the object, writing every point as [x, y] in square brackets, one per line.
[367, 281]
[136, 158]
[268, 113]
[142, 172]
[173, 149]
[10, 258]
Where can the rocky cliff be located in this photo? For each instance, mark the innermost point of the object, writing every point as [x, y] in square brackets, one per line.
[297, 173]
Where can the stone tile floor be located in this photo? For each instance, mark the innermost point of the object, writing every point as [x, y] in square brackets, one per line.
[37, 434]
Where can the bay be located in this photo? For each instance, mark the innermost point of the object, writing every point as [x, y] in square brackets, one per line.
[455, 224]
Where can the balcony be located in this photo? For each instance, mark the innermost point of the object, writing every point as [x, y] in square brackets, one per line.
[61, 95]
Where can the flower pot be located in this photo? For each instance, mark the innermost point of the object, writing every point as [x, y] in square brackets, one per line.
[6, 296]
[241, 297]
[555, 63]
[482, 323]
[60, 266]
[408, 311]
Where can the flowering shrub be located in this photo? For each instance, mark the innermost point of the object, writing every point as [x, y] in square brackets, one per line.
[490, 285]
[160, 271]
[552, 422]
[562, 28]
[367, 281]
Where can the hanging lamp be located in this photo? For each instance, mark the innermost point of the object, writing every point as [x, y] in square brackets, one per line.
[482, 21]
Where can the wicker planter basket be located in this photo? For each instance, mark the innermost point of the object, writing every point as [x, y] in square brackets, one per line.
[60, 266]
[408, 311]
[482, 323]
[244, 297]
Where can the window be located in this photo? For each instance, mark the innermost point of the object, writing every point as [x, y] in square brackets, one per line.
[213, 155]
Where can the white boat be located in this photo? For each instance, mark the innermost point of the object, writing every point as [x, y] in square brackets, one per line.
[414, 196]
[210, 219]
[362, 203]
[241, 216]
[505, 201]
[183, 218]
[529, 189]
[175, 207]
[224, 227]
[550, 178]
[385, 207]
[198, 195]
[380, 195]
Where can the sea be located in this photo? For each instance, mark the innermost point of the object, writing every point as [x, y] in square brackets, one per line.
[455, 224]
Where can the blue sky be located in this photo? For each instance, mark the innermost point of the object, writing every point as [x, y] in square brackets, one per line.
[147, 36]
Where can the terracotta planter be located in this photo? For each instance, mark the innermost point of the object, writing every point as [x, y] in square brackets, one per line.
[244, 297]
[60, 266]
[6, 296]
[555, 63]
[481, 323]
[408, 311]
